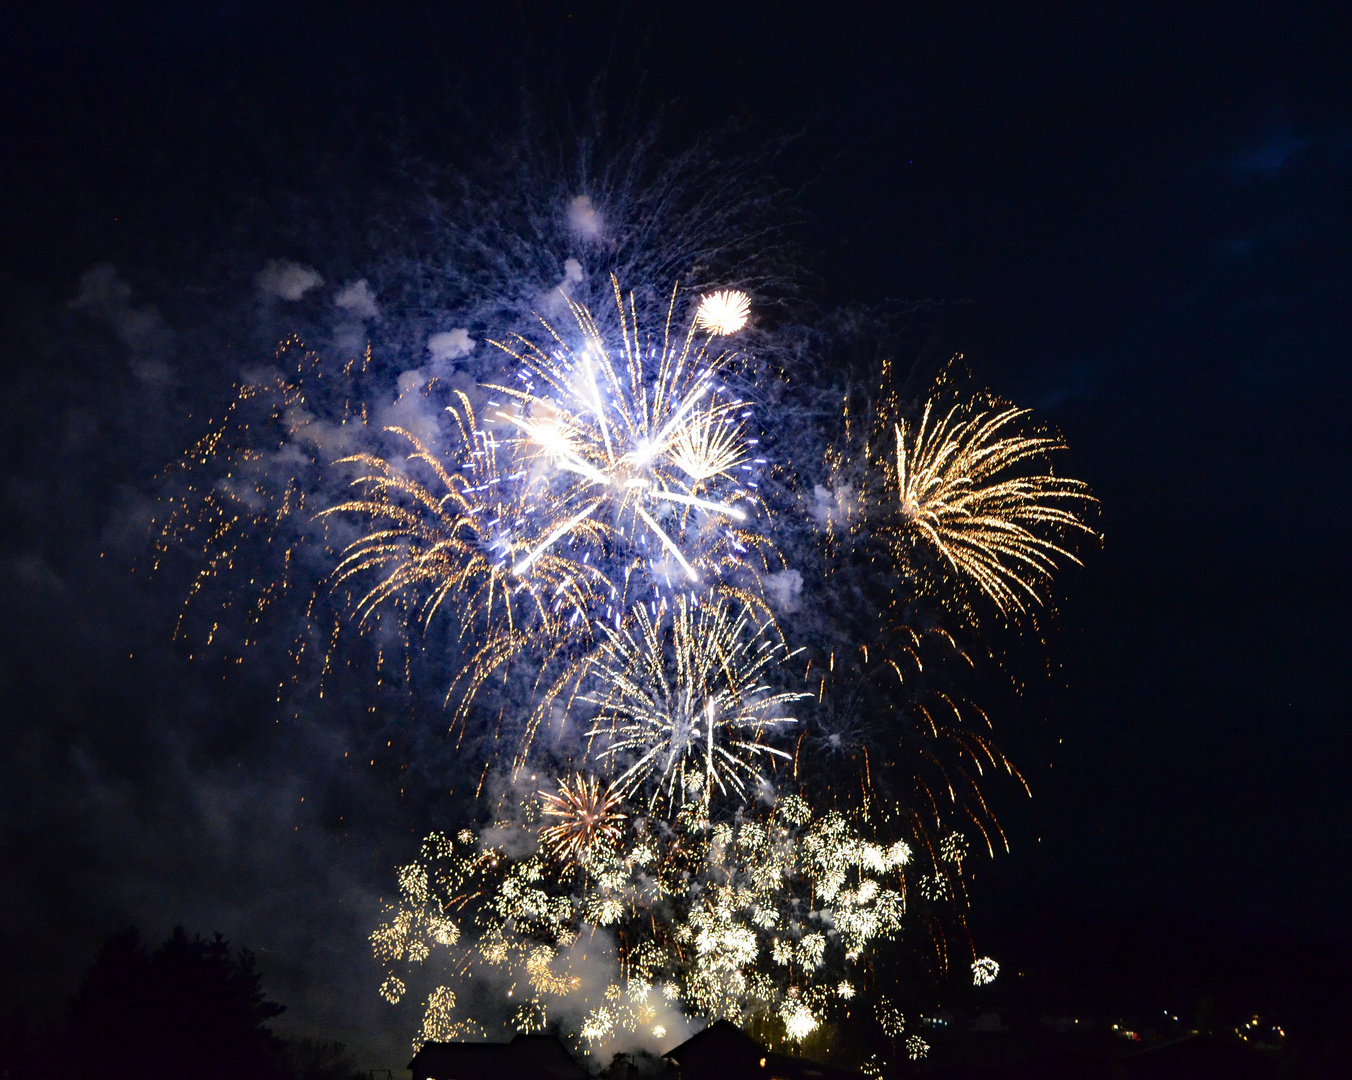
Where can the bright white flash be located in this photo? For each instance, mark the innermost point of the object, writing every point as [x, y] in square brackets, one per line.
[723, 312]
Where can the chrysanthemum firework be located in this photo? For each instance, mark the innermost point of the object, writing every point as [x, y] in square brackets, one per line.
[648, 457]
[587, 816]
[958, 481]
[723, 312]
[685, 706]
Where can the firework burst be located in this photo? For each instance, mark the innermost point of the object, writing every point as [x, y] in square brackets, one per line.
[723, 313]
[588, 816]
[645, 453]
[773, 915]
[687, 709]
[958, 482]
[457, 541]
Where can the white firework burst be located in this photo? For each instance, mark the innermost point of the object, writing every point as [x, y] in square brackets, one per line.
[685, 703]
[723, 312]
[643, 451]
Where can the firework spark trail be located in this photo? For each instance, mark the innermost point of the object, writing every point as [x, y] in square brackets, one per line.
[642, 447]
[956, 483]
[687, 709]
[237, 508]
[913, 741]
[458, 546]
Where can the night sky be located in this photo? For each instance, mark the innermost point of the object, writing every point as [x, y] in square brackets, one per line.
[1136, 223]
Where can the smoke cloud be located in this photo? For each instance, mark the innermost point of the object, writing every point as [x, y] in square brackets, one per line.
[283, 280]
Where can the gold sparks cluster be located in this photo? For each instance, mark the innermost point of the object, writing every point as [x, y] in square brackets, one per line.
[774, 913]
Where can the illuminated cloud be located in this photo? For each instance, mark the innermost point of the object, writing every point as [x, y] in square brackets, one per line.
[450, 345]
[284, 280]
[584, 220]
[357, 299]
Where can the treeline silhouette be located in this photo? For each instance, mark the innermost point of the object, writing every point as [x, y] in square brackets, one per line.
[192, 1008]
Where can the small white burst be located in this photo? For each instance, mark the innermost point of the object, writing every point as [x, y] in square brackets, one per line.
[845, 990]
[723, 312]
[598, 1025]
[916, 1048]
[892, 1019]
[984, 971]
[799, 1022]
[953, 848]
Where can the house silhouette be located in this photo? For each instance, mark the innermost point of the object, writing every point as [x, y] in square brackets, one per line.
[722, 1051]
[526, 1057]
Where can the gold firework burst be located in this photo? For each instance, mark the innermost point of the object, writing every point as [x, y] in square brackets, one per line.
[456, 541]
[588, 816]
[959, 483]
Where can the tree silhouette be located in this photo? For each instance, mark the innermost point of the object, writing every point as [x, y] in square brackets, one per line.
[192, 1008]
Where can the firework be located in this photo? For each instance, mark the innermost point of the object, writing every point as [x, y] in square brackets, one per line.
[588, 816]
[774, 914]
[687, 709]
[596, 534]
[458, 542]
[227, 499]
[958, 484]
[645, 453]
[888, 729]
[890, 1017]
[723, 313]
[984, 971]
[237, 510]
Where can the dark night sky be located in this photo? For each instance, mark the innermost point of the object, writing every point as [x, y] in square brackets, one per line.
[1140, 222]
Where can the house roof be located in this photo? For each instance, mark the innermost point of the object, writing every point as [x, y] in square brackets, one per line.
[721, 1038]
[537, 1057]
[723, 1051]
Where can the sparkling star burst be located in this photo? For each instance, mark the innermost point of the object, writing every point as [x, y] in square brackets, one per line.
[686, 708]
[984, 971]
[587, 814]
[958, 485]
[723, 312]
[640, 444]
[776, 911]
